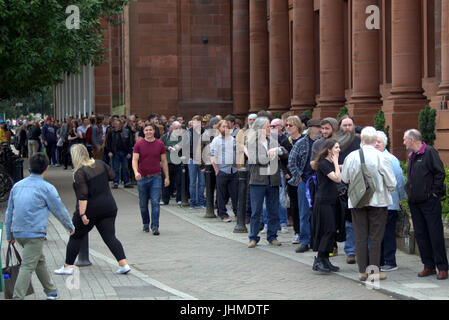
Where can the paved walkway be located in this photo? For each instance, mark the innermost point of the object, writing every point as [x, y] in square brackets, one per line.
[100, 282]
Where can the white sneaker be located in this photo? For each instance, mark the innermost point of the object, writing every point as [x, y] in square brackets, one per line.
[284, 230]
[179, 203]
[64, 271]
[264, 230]
[123, 270]
[296, 239]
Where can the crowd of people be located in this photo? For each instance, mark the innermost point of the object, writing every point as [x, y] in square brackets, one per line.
[301, 173]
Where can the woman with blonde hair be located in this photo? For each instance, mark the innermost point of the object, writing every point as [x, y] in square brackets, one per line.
[95, 206]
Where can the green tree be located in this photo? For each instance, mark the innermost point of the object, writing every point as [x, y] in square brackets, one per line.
[37, 48]
[308, 113]
[426, 124]
[379, 124]
[343, 111]
[16, 107]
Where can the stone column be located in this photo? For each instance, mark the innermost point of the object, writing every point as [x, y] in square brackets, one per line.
[258, 48]
[303, 56]
[365, 99]
[406, 99]
[332, 63]
[279, 57]
[444, 85]
[240, 56]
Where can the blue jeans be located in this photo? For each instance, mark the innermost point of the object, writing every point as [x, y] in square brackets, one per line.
[349, 243]
[119, 160]
[283, 220]
[304, 215]
[196, 178]
[388, 251]
[150, 189]
[258, 194]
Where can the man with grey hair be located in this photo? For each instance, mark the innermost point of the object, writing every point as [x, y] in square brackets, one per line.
[425, 187]
[369, 221]
[388, 256]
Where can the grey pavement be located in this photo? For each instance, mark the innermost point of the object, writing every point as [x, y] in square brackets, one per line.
[201, 258]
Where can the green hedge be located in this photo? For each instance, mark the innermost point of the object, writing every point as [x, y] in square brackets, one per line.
[444, 200]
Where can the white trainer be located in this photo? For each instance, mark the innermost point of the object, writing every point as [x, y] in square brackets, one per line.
[123, 270]
[284, 230]
[64, 271]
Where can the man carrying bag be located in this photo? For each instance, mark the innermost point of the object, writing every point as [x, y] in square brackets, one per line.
[26, 219]
[10, 273]
[370, 172]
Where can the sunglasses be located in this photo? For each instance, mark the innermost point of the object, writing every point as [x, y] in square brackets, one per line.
[289, 125]
[274, 126]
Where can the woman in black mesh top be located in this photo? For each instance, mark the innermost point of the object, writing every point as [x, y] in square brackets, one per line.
[95, 207]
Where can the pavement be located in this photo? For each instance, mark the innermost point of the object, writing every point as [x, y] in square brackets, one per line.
[180, 265]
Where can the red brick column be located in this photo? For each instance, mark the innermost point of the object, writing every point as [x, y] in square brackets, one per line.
[365, 99]
[303, 56]
[332, 73]
[406, 99]
[240, 56]
[444, 85]
[258, 44]
[279, 57]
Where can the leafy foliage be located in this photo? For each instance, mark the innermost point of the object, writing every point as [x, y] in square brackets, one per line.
[379, 124]
[308, 113]
[426, 123]
[343, 111]
[37, 48]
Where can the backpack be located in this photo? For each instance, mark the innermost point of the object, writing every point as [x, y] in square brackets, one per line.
[311, 188]
[362, 187]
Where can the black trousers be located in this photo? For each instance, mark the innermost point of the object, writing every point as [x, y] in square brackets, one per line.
[429, 233]
[174, 171]
[106, 227]
[227, 185]
[294, 210]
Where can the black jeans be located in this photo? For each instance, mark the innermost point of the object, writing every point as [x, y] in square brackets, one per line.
[174, 171]
[227, 185]
[429, 232]
[106, 227]
[294, 210]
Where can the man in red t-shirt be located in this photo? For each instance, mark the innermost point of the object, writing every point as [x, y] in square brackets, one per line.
[148, 156]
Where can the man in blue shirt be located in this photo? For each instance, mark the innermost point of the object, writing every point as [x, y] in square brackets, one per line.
[26, 219]
[223, 158]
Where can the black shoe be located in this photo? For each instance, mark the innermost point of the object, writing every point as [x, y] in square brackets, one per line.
[155, 232]
[302, 248]
[65, 168]
[328, 264]
[146, 228]
[319, 265]
[129, 186]
[115, 186]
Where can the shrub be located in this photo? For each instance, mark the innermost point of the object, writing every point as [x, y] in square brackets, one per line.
[426, 124]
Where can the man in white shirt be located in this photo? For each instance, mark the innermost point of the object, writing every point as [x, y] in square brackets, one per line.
[369, 222]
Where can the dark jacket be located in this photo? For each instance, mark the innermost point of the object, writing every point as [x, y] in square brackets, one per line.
[33, 133]
[121, 140]
[49, 133]
[425, 175]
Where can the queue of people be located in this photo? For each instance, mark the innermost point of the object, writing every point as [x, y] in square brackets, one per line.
[313, 162]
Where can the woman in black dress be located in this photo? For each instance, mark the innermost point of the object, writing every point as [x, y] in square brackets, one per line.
[325, 209]
[95, 206]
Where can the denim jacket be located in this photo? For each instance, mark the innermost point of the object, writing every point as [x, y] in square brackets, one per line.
[29, 205]
[399, 193]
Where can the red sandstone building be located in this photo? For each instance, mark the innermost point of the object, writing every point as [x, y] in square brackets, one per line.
[239, 56]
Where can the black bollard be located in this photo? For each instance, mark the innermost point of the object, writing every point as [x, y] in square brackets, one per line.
[240, 227]
[209, 192]
[83, 255]
[185, 203]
